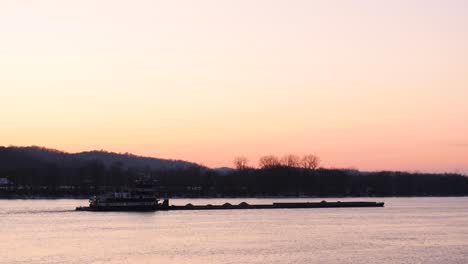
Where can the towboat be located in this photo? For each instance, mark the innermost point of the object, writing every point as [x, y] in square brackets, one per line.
[139, 198]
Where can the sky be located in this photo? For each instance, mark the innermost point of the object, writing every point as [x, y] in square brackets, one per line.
[364, 84]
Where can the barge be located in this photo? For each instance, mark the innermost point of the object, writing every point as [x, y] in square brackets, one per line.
[289, 205]
[227, 206]
[143, 198]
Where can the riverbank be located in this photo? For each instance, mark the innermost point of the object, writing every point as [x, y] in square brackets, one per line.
[81, 197]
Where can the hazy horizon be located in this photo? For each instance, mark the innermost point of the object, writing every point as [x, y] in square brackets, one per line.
[371, 85]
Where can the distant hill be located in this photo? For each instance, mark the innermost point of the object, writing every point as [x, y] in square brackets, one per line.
[15, 156]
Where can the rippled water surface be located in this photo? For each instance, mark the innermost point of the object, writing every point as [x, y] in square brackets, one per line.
[407, 230]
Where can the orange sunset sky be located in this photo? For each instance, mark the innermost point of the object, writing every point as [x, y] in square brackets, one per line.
[366, 84]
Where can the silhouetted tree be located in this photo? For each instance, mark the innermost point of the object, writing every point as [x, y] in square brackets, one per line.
[310, 162]
[241, 163]
[269, 161]
[291, 160]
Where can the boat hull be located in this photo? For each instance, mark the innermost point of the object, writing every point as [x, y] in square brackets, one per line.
[132, 208]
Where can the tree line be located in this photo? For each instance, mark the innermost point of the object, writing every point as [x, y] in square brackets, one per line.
[290, 175]
[310, 162]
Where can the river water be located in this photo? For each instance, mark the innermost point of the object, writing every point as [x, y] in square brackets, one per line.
[406, 230]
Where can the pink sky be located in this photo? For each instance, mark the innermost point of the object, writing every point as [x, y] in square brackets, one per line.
[365, 84]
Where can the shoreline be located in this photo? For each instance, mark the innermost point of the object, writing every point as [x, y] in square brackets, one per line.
[39, 197]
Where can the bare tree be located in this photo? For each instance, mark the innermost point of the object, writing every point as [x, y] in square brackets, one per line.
[241, 162]
[291, 160]
[269, 161]
[310, 162]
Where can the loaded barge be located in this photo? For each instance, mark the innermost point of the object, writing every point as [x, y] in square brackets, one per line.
[142, 198]
[244, 205]
[227, 206]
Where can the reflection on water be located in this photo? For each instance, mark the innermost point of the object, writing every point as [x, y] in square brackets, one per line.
[407, 230]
